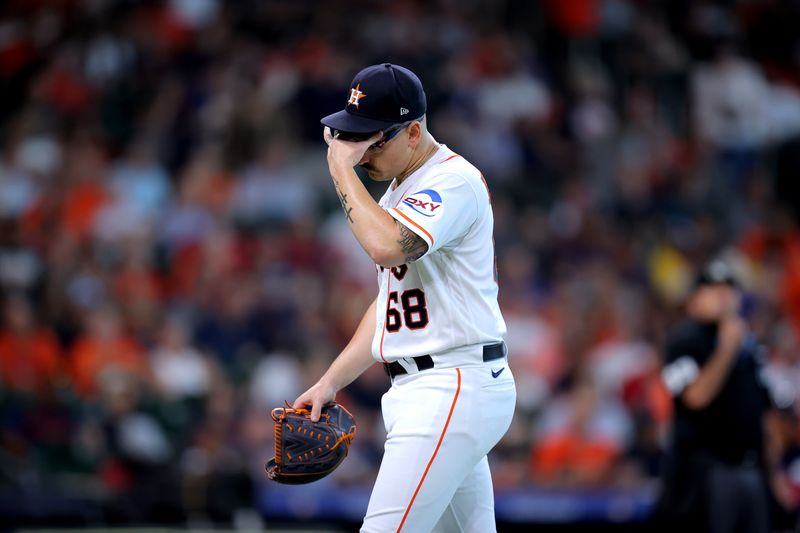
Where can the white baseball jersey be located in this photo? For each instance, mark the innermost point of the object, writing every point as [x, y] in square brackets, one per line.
[448, 297]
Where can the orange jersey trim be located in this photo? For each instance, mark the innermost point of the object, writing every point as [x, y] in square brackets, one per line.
[414, 224]
[438, 445]
[449, 158]
[487, 188]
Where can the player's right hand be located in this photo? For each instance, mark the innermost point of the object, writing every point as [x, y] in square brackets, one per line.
[731, 333]
[346, 154]
[316, 397]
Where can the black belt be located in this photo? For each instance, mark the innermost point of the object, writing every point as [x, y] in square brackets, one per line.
[424, 362]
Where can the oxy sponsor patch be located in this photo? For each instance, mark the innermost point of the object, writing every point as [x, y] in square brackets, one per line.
[426, 202]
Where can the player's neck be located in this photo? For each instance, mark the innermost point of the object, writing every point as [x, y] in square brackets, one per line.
[425, 151]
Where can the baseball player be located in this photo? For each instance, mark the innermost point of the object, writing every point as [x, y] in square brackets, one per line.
[435, 324]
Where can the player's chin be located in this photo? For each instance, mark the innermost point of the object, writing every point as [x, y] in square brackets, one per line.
[374, 174]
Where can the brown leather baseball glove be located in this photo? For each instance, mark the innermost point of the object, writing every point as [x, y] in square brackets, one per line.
[306, 451]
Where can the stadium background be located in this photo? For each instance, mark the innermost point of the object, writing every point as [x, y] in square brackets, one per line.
[173, 262]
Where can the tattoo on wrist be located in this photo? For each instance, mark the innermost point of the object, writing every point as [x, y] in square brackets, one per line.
[343, 199]
[412, 245]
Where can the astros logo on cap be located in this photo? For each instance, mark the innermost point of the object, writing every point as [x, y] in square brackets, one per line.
[356, 95]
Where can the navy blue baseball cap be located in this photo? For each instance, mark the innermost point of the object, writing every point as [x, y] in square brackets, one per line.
[379, 97]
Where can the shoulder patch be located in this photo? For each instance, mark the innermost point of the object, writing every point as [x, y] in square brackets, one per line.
[426, 202]
[680, 374]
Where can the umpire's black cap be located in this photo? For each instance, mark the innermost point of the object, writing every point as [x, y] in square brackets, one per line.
[716, 272]
[379, 97]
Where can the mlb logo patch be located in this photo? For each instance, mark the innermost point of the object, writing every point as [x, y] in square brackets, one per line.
[426, 202]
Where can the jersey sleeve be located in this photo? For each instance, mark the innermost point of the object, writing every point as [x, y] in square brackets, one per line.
[441, 211]
[681, 366]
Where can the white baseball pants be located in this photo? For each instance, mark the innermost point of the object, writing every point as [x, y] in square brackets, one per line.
[440, 425]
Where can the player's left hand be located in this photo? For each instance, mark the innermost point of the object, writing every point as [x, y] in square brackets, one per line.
[347, 154]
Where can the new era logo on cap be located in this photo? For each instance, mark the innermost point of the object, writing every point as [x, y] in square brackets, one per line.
[379, 97]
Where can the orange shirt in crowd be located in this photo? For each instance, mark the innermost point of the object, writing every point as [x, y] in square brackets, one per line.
[75, 214]
[759, 243]
[91, 358]
[791, 282]
[134, 282]
[571, 458]
[81, 204]
[28, 362]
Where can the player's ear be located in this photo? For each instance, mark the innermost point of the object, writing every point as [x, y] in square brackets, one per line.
[414, 134]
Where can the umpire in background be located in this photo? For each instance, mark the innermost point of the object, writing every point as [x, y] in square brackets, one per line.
[715, 477]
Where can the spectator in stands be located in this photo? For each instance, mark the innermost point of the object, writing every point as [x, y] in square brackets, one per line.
[579, 439]
[30, 356]
[103, 352]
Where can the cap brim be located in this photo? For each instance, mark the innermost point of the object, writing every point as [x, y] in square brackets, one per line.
[711, 283]
[351, 123]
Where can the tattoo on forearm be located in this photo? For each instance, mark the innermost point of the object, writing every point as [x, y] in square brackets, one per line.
[343, 200]
[412, 245]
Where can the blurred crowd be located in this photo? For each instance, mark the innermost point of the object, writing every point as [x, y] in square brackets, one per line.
[173, 262]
